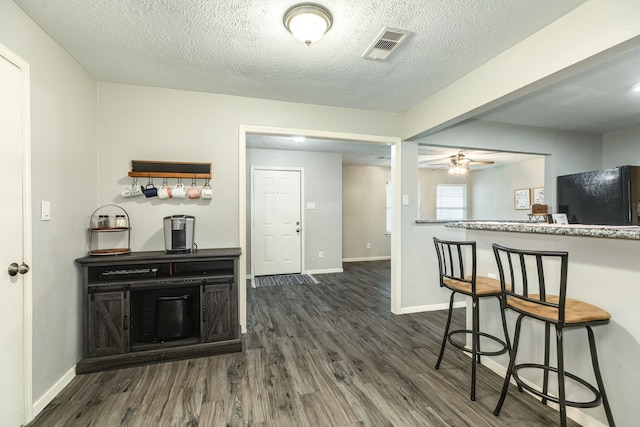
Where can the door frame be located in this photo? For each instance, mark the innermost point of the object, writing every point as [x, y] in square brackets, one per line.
[302, 212]
[27, 321]
[396, 177]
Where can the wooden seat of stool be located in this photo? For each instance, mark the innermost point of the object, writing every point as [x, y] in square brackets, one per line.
[576, 311]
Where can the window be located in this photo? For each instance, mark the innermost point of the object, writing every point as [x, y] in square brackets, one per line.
[389, 204]
[451, 201]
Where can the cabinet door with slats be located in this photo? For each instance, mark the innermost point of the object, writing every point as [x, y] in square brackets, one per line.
[108, 323]
[217, 313]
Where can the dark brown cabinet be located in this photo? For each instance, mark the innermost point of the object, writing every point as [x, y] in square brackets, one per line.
[147, 307]
[108, 316]
[217, 319]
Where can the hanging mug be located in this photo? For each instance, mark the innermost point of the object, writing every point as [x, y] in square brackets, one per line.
[165, 191]
[207, 192]
[132, 191]
[179, 191]
[149, 190]
[194, 191]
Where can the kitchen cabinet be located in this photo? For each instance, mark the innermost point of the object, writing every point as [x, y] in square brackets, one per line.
[148, 307]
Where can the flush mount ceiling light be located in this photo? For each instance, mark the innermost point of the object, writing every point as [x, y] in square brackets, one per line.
[308, 22]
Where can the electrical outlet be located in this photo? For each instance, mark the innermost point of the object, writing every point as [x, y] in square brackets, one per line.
[368, 245]
[320, 254]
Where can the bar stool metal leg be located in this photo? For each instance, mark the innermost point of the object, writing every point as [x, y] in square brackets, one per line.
[446, 330]
[562, 398]
[545, 381]
[512, 362]
[596, 371]
[475, 343]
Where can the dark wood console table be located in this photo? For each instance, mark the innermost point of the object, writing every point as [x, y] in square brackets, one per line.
[147, 307]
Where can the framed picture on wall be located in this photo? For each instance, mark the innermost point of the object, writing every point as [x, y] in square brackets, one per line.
[522, 198]
[538, 196]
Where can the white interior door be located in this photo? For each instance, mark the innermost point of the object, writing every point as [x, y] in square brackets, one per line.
[12, 335]
[276, 222]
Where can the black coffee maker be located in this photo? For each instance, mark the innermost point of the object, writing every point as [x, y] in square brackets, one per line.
[178, 234]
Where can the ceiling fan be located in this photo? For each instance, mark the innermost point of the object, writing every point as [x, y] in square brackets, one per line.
[459, 163]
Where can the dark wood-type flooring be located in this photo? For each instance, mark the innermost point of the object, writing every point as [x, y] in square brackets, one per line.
[330, 354]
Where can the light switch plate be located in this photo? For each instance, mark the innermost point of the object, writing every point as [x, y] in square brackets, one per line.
[45, 206]
[311, 205]
[405, 199]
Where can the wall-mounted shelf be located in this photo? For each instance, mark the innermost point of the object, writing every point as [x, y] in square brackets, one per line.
[162, 169]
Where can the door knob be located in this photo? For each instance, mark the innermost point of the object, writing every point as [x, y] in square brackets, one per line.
[14, 268]
[297, 230]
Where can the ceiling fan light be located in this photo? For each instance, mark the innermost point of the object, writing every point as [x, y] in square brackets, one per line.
[308, 22]
[458, 169]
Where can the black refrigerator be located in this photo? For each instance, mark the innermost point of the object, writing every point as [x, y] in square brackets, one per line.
[604, 197]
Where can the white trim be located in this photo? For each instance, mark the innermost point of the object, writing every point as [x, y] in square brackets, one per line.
[396, 237]
[27, 229]
[242, 227]
[325, 271]
[432, 307]
[370, 258]
[396, 284]
[50, 394]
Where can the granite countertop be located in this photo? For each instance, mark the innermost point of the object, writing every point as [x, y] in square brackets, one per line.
[601, 231]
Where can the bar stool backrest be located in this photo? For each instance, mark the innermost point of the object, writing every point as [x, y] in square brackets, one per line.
[451, 261]
[536, 280]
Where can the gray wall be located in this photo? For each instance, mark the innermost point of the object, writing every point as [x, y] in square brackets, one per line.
[570, 152]
[64, 171]
[621, 148]
[322, 226]
[364, 212]
[493, 189]
[429, 180]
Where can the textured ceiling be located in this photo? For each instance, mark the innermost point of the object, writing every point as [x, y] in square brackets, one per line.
[241, 47]
[597, 100]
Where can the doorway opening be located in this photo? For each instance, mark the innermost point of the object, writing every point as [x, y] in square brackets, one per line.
[322, 152]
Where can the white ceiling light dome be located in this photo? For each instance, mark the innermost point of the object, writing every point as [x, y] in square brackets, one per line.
[308, 22]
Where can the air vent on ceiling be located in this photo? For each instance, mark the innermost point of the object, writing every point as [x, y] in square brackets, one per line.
[385, 44]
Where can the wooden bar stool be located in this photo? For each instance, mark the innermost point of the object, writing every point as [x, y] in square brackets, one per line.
[526, 277]
[454, 276]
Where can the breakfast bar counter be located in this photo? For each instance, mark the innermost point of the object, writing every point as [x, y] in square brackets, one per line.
[601, 231]
[604, 270]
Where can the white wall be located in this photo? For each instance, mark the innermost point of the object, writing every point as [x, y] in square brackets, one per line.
[493, 191]
[64, 171]
[144, 123]
[621, 148]
[322, 226]
[364, 212]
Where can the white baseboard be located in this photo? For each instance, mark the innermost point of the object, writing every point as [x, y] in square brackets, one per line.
[48, 396]
[432, 307]
[328, 270]
[371, 258]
